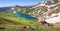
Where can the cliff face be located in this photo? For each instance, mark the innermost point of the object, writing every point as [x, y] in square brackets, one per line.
[46, 9]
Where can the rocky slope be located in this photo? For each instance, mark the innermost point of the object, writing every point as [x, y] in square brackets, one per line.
[45, 9]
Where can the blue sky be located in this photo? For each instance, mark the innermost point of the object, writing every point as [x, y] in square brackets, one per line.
[18, 2]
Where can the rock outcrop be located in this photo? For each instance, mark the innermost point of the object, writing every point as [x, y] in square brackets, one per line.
[46, 8]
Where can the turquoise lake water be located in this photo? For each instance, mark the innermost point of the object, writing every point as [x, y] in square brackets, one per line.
[26, 16]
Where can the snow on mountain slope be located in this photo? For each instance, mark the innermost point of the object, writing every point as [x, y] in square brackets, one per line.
[54, 19]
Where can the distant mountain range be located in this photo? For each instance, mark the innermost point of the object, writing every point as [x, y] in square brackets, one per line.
[23, 6]
[7, 8]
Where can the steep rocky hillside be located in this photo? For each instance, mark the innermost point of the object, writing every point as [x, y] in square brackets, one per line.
[45, 9]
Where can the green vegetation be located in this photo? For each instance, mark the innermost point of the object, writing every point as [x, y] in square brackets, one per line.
[30, 10]
[12, 23]
[21, 11]
[17, 19]
[26, 11]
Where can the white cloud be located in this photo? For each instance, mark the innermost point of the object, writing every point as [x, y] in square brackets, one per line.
[4, 5]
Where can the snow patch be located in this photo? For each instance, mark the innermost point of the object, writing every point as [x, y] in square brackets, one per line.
[14, 12]
[54, 19]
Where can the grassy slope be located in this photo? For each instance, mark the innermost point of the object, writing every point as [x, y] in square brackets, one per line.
[35, 26]
[11, 17]
[17, 19]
